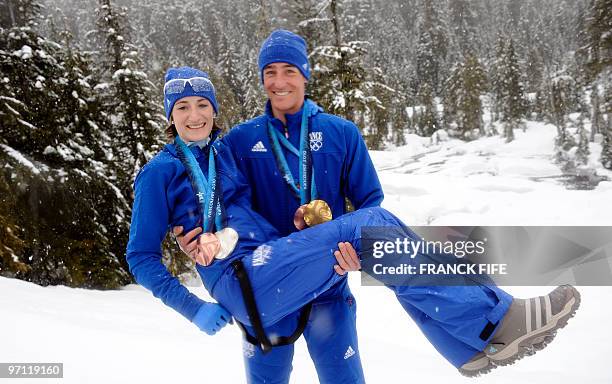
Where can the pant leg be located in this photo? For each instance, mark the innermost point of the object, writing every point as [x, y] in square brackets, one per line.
[331, 336]
[451, 317]
[285, 274]
[453, 350]
[275, 366]
[289, 272]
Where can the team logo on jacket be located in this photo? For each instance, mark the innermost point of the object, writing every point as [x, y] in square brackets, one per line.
[316, 140]
[259, 147]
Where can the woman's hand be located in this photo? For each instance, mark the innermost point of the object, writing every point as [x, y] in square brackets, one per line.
[211, 317]
[185, 242]
[202, 250]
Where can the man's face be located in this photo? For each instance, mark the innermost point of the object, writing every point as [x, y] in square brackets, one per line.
[285, 86]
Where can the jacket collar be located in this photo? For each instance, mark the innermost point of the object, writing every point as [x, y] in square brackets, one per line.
[195, 149]
[294, 120]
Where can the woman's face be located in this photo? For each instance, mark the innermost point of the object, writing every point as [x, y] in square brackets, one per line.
[193, 118]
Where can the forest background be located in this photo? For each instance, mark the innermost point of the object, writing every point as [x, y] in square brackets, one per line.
[81, 96]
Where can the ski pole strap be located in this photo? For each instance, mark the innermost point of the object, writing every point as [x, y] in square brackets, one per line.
[260, 337]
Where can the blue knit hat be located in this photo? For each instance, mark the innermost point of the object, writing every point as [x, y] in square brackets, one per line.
[284, 47]
[185, 81]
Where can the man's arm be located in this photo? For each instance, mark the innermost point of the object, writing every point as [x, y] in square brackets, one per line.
[361, 183]
[347, 259]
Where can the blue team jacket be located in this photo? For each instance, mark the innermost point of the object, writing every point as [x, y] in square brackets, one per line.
[340, 158]
[163, 199]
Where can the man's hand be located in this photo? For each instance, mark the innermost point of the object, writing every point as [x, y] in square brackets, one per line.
[185, 241]
[347, 259]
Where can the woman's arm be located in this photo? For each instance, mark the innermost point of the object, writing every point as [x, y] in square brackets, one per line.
[150, 223]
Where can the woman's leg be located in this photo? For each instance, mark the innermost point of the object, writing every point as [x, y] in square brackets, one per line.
[288, 273]
[285, 274]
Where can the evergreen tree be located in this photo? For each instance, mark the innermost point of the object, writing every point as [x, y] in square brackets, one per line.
[464, 22]
[561, 90]
[341, 83]
[56, 209]
[496, 74]
[599, 36]
[606, 145]
[432, 46]
[309, 18]
[129, 96]
[582, 152]
[596, 115]
[18, 13]
[514, 99]
[401, 123]
[427, 118]
[240, 85]
[462, 102]
[508, 89]
[599, 64]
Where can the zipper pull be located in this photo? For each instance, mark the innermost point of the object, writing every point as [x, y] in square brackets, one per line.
[286, 132]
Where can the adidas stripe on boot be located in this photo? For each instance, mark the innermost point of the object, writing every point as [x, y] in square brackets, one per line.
[530, 324]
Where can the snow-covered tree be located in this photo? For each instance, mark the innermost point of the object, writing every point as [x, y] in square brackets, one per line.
[432, 47]
[560, 96]
[426, 119]
[21, 13]
[509, 99]
[582, 151]
[130, 98]
[599, 66]
[464, 22]
[56, 214]
[341, 83]
[462, 104]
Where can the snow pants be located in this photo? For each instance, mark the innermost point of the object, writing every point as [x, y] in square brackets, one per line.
[292, 271]
[331, 337]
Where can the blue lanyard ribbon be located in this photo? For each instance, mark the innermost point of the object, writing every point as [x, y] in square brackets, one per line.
[306, 190]
[208, 191]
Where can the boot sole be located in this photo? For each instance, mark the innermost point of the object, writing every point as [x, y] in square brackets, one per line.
[532, 342]
[477, 368]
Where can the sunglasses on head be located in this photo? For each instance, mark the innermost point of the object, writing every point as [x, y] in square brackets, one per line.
[198, 84]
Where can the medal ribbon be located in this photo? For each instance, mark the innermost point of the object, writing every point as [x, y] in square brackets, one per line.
[208, 192]
[307, 189]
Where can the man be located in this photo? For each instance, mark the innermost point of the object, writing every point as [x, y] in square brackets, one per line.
[342, 168]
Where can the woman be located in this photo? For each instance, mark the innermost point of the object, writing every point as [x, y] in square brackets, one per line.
[194, 182]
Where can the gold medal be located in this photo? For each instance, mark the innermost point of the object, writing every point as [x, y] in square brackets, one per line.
[317, 212]
[311, 214]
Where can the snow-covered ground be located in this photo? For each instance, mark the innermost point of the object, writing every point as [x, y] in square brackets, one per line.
[128, 336]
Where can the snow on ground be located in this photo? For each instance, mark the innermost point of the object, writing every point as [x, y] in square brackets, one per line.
[128, 336]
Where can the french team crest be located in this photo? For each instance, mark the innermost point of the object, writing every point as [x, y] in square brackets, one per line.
[316, 140]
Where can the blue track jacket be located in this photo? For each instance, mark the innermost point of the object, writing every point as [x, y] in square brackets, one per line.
[342, 165]
[163, 199]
